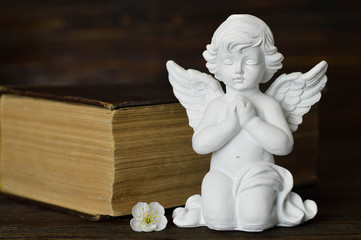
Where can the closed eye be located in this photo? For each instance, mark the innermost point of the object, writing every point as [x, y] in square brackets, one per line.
[251, 62]
[227, 61]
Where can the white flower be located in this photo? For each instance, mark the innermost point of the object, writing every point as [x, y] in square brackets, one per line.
[148, 218]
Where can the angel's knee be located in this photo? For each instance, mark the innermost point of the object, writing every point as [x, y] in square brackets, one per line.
[256, 208]
[217, 200]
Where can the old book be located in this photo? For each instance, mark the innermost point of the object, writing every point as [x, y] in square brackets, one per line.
[99, 150]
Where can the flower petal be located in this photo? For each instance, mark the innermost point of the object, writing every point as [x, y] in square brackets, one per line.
[135, 225]
[161, 223]
[156, 208]
[149, 228]
[139, 209]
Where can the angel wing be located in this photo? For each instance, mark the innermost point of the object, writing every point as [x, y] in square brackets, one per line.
[194, 90]
[297, 92]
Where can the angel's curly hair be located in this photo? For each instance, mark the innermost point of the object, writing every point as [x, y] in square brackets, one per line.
[238, 32]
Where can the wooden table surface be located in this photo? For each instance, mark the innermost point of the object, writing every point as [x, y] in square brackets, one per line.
[337, 194]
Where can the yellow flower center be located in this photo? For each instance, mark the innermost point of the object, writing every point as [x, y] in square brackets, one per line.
[148, 218]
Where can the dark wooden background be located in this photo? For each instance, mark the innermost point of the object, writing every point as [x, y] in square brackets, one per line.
[67, 41]
[88, 42]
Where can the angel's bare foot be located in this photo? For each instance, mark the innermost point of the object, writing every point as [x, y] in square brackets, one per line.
[191, 214]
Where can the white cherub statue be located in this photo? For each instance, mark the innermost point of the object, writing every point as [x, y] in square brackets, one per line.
[243, 128]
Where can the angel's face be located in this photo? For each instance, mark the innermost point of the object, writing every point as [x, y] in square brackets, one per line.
[241, 70]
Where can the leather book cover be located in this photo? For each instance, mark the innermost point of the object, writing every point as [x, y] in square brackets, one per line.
[113, 96]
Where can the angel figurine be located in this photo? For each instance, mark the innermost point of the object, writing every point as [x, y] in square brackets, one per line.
[243, 128]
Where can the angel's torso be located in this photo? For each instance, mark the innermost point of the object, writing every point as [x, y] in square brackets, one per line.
[242, 148]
